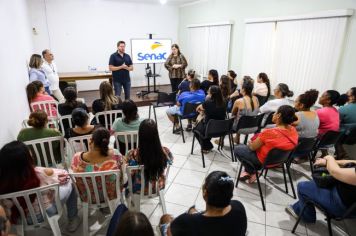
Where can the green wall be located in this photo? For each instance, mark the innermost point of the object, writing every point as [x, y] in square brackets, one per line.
[238, 10]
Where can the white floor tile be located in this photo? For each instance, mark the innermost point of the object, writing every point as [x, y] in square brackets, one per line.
[182, 195]
[190, 178]
[255, 229]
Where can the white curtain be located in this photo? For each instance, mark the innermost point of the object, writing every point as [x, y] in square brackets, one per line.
[307, 53]
[258, 49]
[209, 48]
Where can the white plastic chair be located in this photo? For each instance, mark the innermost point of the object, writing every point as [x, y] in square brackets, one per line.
[109, 117]
[69, 121]
[52, 123]
[50, 107]
[42, 151]
[95, 192]
[134, 200]
[35, 208]
[130, 137]
[79, 143]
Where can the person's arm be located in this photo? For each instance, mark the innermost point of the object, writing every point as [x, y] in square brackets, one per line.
[129, 66]
[167, 64]
[266, 107]
[345, 175]
[33, 76]
[111, 65]
[235, 108]
[234, 94]
[256, 144]
[184, 62]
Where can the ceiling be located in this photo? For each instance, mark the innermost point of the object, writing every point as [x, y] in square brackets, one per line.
[169, 2]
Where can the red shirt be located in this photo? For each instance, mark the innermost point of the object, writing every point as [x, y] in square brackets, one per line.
[284, 139]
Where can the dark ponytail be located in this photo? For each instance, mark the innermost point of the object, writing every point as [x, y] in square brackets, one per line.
[70, 94]
[101, 139]
[287, 114]
[334, 97]
[219, 187]
[247, 86]
[284, 89]
[263, 76]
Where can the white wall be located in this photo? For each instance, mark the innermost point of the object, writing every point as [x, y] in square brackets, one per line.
[239, 10]
[16, 49]
[84, 33]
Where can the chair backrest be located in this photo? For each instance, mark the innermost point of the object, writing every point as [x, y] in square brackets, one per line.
[276, 157]
[107, 118]
[261, 99]
[329, 138]
[65, 123]
[97, 188]
[80, 143]
[48, 152]
[218, 128]
[349, 136]
[189, 110]
[166, 98]
[50, 107]
[130, 137]
[31, 205]
[248, 124]
[131, 170]
[268, 120]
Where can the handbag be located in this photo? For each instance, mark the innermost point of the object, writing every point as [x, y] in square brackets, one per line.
[323, 179]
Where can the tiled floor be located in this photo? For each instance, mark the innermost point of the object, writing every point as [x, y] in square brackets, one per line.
[186, 178]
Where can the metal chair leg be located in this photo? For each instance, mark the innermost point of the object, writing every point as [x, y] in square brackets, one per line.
[149, 111]
[328, 219]
[285, 178]
[193, 144]
[291, 182]
[202, 155]
[181, 129]
[266, 170]
[231, 150]
[246, 139]
[299, 218]
[260, 190]
[238, 176]
[154, 113]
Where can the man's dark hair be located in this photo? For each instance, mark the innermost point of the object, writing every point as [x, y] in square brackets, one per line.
[120, 42]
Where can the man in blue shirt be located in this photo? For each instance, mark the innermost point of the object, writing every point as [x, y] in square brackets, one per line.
[120, 64]
[195, 95]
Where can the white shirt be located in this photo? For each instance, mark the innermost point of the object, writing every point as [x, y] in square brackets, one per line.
[261, 89]
[273, 105]
[52, 74]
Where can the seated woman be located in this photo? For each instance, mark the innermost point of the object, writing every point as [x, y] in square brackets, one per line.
[335, 200]
[151, 154]
[328, 115]
[246, 106]
[99, 158]
[308, 121]
[281, 92]
[36, 93]
[284, 136]
[184, 85]
[213, 79]
[233, 82]
[223, 216]
[81, 124]
[225, 88]
[130, 122]
[214, 107]
[38, 121]
[348, 111]
[66, 108]
[262, 88]
[18, 173]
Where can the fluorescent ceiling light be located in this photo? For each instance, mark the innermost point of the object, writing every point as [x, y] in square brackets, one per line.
[163, 1]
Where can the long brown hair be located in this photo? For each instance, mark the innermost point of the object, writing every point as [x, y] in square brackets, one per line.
[107, 95]
[225, 86]
[32, 89]
[35, 61]
[177, 47]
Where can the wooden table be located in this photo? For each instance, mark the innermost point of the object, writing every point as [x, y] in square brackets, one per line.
[73, 76]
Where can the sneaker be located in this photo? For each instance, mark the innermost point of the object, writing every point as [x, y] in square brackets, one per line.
[289, 209]
[244, 176]
[73, 224]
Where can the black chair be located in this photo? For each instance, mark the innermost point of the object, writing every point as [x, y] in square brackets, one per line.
[189, 112]
[349, 136]
[215, 129]
[275, 158]
[350, 212]
[163, 100]
[268, 120]
[262, 99]
[248, 125]
[330, 138]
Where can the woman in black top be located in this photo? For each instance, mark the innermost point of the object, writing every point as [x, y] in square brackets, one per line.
[108, 101]
[66, 108]
[214, 107]
[81, 124]
[213, 79]
[335, 200]
[222, 215]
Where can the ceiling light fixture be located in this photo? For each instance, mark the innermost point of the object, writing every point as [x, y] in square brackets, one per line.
[163, 1]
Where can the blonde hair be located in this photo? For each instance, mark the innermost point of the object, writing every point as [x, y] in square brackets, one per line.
[107, 95]
[35, 61]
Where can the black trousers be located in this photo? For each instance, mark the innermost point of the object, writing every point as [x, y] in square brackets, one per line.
[204, 143]
[174, 83]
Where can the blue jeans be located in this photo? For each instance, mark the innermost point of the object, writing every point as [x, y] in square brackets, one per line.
[328, 199]
[243, 152]
[126, 85]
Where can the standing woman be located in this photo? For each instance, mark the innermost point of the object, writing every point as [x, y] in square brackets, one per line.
[36, 73]
[176, 64]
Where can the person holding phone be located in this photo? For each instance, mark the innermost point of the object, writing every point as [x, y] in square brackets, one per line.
[120, 64]
[176, 64]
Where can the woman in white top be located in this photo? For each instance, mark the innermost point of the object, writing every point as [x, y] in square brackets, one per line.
[280, 92]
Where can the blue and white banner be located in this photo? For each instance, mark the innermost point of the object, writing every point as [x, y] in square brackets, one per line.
[150, 50]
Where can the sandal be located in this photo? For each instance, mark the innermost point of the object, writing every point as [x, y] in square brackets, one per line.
[244, 176]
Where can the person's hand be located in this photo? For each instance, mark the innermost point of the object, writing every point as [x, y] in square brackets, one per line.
[63, 178]
[320, 162]
[124, 67]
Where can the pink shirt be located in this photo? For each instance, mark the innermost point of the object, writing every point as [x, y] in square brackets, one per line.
[329, 119]
[43, 98]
